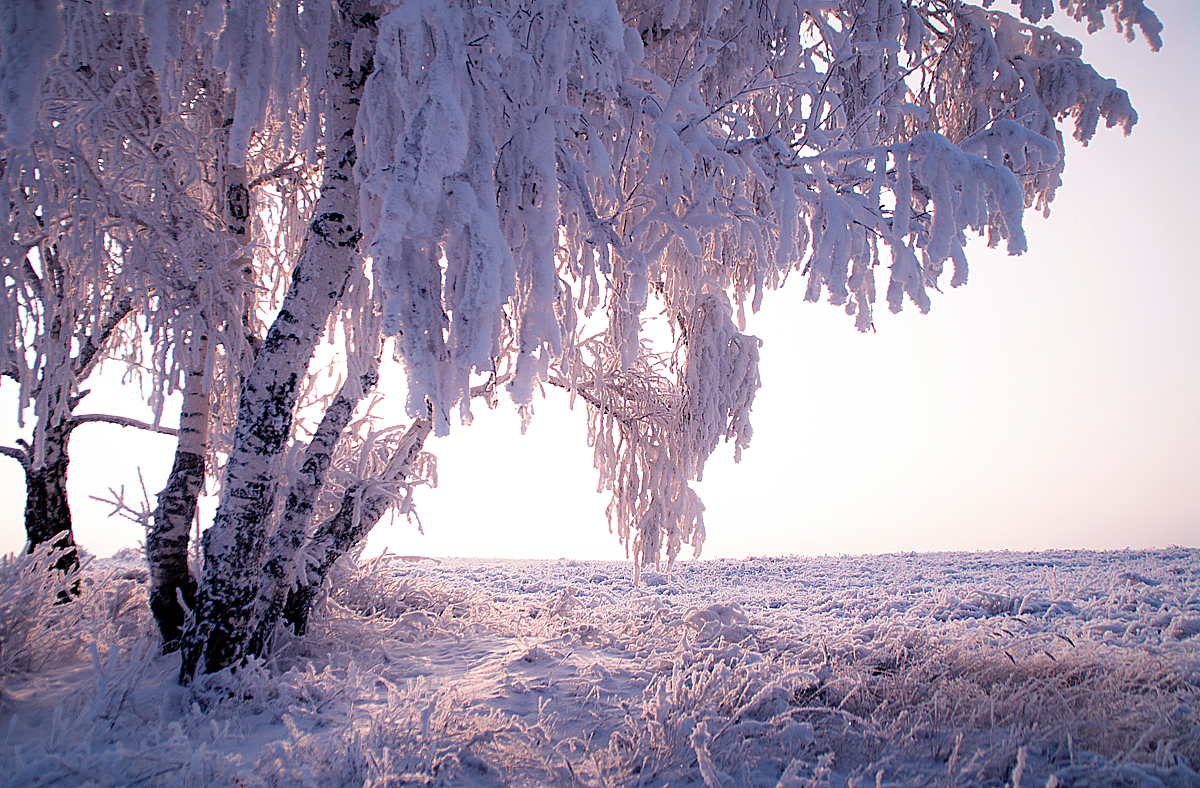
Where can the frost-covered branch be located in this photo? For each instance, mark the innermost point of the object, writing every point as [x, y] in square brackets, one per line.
[122, 421]
[140, 514]
[89, 353]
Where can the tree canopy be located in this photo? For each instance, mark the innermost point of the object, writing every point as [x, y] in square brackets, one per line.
[502, 194]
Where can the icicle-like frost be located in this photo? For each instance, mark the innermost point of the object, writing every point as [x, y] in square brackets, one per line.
[462, 203]
[720, 380]
[160, 18]
[533, 238]
[244, 55]
[653, 426]
[415, 147]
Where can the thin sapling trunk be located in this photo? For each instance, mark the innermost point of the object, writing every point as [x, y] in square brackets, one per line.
[172, 587]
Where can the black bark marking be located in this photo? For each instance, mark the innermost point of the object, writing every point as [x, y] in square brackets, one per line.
[237, 198]
[332, 228]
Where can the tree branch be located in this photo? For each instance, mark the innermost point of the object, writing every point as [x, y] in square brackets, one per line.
[16, 454]
[121, 421]
[283, 169]
[629, 421]
[89, 352]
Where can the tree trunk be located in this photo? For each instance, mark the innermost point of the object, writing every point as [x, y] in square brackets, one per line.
[290, 536]
[172, 587]
[47, 511]
[234, 546]
[340, 533]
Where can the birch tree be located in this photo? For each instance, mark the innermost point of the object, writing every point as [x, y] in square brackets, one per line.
[70, 298]
[507, 194]
[50, 312]
[121, 250]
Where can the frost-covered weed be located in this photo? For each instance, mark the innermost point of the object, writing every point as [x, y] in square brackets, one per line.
[419, 736]
[38, 630]
[381, 587]
[731, 717]
[725, 714]
[779, 672]
[87, 707]
[34, 630]
[1115, 707]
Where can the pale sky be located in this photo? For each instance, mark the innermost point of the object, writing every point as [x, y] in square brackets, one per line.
[1053, 402]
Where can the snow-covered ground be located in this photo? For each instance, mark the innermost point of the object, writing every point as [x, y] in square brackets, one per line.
[1021, 669]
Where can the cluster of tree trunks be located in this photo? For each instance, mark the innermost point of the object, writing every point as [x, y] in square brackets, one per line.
[246, 573]
[250, 581]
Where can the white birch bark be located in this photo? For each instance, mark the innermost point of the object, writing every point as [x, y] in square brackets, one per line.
[278, 573]
[172, 584]
[235, 545]
[172, 587]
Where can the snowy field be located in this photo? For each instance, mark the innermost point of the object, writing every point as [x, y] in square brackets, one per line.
[990, 669]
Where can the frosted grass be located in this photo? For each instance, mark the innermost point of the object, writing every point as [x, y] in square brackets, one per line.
[983, 669]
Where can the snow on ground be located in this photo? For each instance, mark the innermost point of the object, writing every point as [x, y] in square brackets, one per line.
[993, 669]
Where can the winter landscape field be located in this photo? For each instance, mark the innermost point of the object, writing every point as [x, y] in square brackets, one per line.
[1064, 668]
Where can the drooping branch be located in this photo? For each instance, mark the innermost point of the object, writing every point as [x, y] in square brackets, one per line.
[582, 390]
